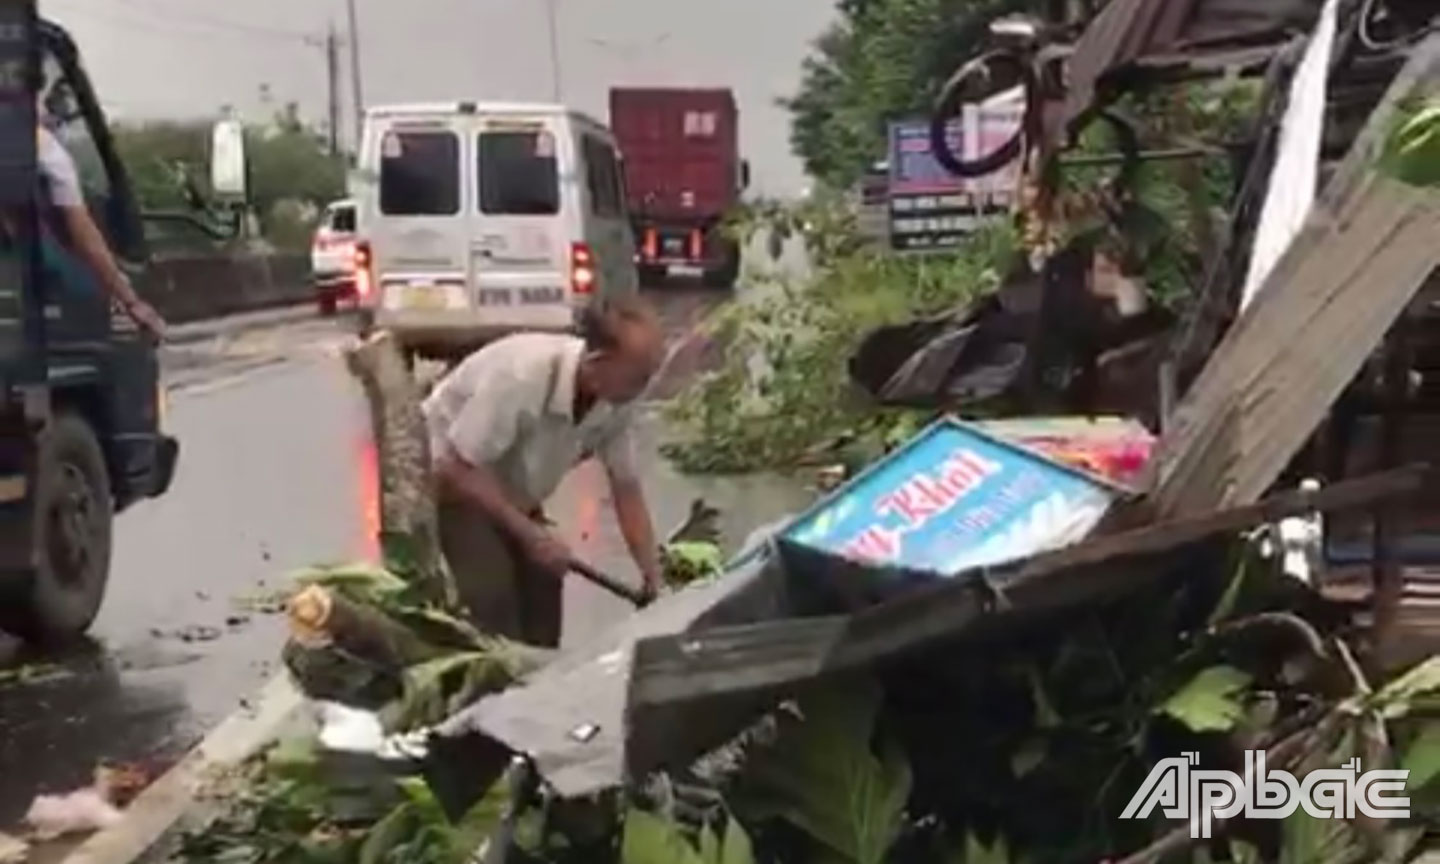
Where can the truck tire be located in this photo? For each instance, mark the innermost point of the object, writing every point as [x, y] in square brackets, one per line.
[724, 274]
[72, 534]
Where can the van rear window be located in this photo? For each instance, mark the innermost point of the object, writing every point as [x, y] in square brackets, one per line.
[420, 174]
[343, 220]
[517, 174]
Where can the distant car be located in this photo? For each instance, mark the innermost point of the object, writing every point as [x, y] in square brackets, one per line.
[332, 257]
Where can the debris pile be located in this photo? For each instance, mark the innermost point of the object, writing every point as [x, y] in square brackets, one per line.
[1032, 641]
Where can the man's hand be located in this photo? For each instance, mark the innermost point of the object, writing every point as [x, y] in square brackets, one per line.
[146, 316]
[548, 551]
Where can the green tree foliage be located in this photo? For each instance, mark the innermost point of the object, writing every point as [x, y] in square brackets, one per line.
[883, 59]
[292, 173]
[155, 153]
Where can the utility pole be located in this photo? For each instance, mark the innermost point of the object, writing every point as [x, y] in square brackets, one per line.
[332, 80]
[553, 17]
[357, 91]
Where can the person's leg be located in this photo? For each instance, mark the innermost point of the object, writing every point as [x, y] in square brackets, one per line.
[542, 597]
[484, 567]
[541, 606]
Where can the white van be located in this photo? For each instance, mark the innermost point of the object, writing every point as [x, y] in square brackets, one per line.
[478, 220]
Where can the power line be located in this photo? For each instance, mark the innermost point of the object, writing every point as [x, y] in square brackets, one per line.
[211, 29]
[552, 15]
[357, 91]
[332, 84]
[152, 7]
[155, 22]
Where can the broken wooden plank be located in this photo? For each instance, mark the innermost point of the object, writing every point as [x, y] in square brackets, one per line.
[1368, 247]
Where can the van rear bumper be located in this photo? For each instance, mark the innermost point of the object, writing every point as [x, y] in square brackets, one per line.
[450, 332]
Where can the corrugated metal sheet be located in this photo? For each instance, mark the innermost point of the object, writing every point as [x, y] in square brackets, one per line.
[1128, 30]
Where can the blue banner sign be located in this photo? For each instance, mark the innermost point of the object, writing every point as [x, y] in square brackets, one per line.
[953, 499]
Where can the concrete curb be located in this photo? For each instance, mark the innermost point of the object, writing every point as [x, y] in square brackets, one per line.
[199, 331]
[156, 810]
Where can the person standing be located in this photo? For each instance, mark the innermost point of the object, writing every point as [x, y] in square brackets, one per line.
[506, 426]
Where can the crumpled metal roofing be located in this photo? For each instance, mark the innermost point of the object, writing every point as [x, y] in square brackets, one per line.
[1129, 30]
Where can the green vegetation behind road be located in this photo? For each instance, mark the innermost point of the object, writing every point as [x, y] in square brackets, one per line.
[882, 60]
[783, 394]
[292, 172]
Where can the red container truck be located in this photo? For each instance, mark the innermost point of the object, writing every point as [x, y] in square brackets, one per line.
[683, 173]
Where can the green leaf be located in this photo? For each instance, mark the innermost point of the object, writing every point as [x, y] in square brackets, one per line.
[1210, 701]
[1412, 152]
[1422, 757]
[822, 776]
[424, 699]
[1030, 756]
[691, 561]
[709, 845]
[736, 848]
[1308, 840]
[482, 819]
[294, 757]
[1244, 853]
[363, 581]
[426, 805]
[976, 852]
[1046, 717]
[1395, 699]
[1231, 598]
[387, 834]
[651, 839]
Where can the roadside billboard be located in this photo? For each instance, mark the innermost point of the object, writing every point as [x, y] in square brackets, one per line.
[932, 208]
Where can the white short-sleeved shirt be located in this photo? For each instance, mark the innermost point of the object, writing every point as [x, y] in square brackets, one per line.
[510, 407]
[59, 170]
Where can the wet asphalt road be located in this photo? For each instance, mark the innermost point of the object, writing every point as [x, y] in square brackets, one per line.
[276, 473]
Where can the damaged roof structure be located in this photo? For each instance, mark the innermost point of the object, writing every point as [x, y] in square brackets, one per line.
[689, 672]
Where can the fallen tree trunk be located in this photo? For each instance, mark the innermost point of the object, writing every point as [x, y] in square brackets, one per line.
[409, 520]
[344, 651]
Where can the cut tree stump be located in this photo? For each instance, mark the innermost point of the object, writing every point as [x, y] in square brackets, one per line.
[409, 519]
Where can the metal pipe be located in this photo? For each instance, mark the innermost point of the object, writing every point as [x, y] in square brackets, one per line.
[1142, 156]
[553, 19]
[614, 586]
[357, 90]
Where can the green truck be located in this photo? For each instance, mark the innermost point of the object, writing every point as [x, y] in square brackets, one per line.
[81, 405]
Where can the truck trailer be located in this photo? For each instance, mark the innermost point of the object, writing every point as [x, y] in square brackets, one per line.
[683, 174]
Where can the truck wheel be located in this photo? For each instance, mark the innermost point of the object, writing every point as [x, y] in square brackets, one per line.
[72, 533]
[724, 274]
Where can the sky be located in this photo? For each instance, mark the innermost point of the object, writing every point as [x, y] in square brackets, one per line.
[186, 58]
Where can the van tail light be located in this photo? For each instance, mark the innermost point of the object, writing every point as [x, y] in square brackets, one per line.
[364, 271]
[697, 245]
[582, 269]
[652, 244]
